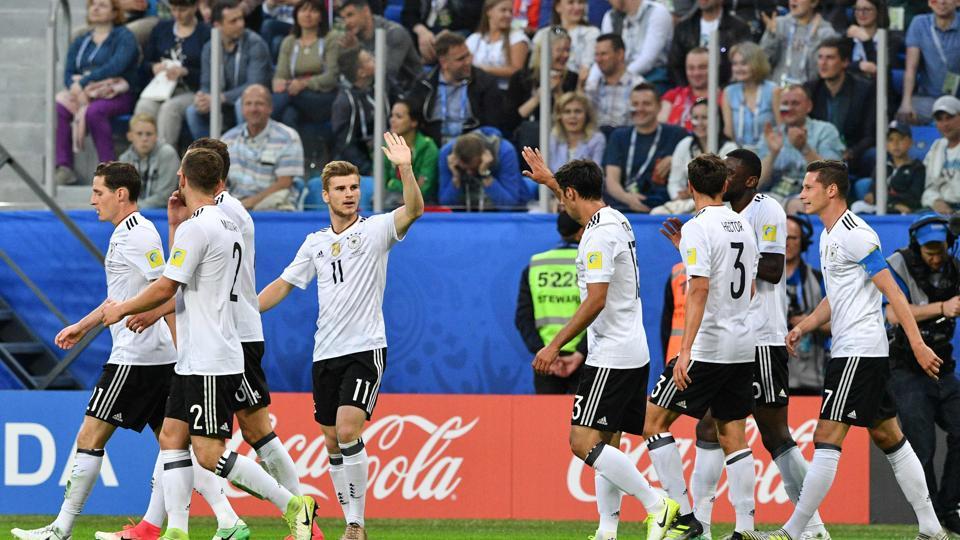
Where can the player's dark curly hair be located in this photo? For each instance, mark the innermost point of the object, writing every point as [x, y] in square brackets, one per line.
[584, 176]
[708, 174]
[118, 175]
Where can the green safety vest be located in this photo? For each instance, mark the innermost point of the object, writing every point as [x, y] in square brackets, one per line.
[554, 291]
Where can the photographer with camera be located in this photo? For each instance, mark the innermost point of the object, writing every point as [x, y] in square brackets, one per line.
[928, 272]
[479, 172]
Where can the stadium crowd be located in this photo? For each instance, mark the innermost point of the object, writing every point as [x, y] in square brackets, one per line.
[798, 84]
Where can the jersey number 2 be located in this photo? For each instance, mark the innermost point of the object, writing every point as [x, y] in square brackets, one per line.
[738, 265]
[237, 254]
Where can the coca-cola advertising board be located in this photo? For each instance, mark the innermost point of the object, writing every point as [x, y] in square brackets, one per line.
[431, 456]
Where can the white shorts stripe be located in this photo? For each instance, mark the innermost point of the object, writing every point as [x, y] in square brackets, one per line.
[596, 392]
[843, 389]
[251, 397]
[378, 363]
[116, 386]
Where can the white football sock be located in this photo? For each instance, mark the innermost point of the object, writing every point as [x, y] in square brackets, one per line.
[247, 475]
[355, 466]
[278, 462]
[666, 459]
[741, 477]
[703, 483]
[616, 467]
[909, 473]
[210, 487]
[83, 475]
[339, 478]
[608, 503]
[177, 487]
[816, 485]
[793, 468]
[156, 513]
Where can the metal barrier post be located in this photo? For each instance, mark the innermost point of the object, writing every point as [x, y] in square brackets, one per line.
[216, 84]
[379, 118]
[545, 109]
[881, 144]
[50, 150]
[713, 87]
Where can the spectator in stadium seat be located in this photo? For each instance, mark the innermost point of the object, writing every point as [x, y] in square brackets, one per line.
[523, 91]
[845, 100]
[751, 101]
[479, 171]
[805, 290]
[681, 200]
[574, 134]
[676, 103]
[544, 305]
[246, 61]
[277, 23]
[101, 65]
[497, 48]
[694, 31]
[933, 60]
[265, 155]
[942, 190]
[305, 83]
[179, 40]
[906, 176]
[403, 61]
[405, 122]
[156, 161]
[870, 16]
[786, 149]
[637, 158]
[456, 97]
[571, 15]
[791, 42]
[647, 30]
[354, 111]
[610, 93]
[427, 18]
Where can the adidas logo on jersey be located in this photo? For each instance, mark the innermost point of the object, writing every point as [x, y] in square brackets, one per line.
[224, 426]
[853, 415]
[602, 421]
[782, 393]
[682, 404]
[118, 417]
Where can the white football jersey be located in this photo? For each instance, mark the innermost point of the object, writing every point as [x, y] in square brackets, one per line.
[206, 259]
[249, 326]
[856, 312]
[134, 259]
[719, 244]
[768, 309]
[351, 273]
[608, 254]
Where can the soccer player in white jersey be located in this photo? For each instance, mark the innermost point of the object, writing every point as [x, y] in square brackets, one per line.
[714, 369]
[611, 394]
[855, 391]
[768, 315]
[133, 386]
[349, 262]
[206, 256]
[254, 397]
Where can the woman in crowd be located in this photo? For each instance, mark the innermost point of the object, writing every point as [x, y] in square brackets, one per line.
[681, 200]
[101, 64]
[405, 121]
[791, 41]
[305, 82]
[751, 101]
[870, 16]
[523, 91]
[571, 15]
[175, 47]
[496, 48]
[574, 134]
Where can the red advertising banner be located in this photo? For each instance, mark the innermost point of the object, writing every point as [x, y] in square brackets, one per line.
[507, 457]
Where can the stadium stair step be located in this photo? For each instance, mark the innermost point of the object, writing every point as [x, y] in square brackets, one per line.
[25, 361]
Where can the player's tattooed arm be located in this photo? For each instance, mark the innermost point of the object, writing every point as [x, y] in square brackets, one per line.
[71, 335]
[399, 153]
[925, 356]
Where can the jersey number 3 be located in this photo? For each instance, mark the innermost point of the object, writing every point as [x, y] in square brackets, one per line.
[738, 265]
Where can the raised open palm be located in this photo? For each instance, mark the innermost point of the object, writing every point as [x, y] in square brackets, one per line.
[396, 149]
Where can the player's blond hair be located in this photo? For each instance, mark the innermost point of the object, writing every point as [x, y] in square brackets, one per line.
[337, 168]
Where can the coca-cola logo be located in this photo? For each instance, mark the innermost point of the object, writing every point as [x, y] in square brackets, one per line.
[769, 485]
[426, 474]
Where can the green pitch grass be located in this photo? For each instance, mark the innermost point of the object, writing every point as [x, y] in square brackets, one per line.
[384, 529]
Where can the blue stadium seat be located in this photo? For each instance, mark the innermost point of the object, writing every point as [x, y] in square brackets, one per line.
[896, 79]
[393, 12]
[120, 124]
[923, 137]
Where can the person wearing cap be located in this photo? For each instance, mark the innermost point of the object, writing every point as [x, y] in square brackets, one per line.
[929, 274]
[942, 189]
[933, 60]
[905, 176]
[548, 297]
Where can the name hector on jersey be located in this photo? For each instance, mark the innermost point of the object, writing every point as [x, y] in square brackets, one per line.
[732, 226]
